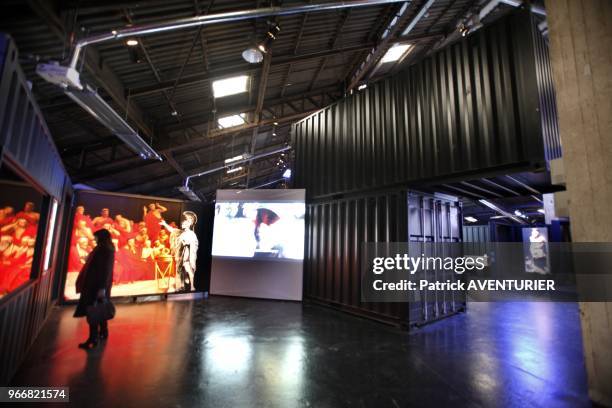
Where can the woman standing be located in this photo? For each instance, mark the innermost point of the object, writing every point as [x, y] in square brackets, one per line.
[94, 283]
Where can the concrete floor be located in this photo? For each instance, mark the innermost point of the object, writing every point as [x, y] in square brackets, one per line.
[225, 352]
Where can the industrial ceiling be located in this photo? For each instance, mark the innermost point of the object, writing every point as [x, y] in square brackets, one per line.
[162, 85]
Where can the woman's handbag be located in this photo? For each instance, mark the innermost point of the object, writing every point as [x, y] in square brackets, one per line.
[101, 310]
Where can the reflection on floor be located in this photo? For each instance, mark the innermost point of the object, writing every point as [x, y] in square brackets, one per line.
[146, 287]
[227, 352]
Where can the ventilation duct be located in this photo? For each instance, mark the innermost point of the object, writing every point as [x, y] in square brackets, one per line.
[92, 102]
[88, 99]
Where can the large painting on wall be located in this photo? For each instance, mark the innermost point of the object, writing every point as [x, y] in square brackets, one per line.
[20, 205]
[155, 243]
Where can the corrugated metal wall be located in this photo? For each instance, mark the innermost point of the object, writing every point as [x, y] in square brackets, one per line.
[476, 233]
[433, 219]
[548, 99]
[26, 145]
[24, 135]
[471, 108]
[336, 230]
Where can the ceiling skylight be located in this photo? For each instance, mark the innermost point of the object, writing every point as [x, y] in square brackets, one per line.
[394, 53]
[230, 86]
[232, 120]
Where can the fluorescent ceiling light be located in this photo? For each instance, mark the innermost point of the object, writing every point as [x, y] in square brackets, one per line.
[394, 53]
[287, 174]
[235, 158]
[235, 169]
[232, 120]
[131, 42]
[230, 86]
[541, 210]
[470, 219]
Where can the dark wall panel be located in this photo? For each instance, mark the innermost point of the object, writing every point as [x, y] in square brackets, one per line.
[336, 230]
[471, 108]
[548, 99]
[27, 148]
[24, 136]
[476, 233]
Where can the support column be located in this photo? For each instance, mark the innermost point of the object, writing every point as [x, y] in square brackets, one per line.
[581, 54]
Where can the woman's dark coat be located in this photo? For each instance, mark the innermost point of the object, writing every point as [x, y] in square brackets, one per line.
[96, 274]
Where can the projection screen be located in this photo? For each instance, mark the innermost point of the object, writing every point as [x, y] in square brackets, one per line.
[258, 244]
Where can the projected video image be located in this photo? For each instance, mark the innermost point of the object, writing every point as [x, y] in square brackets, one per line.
[259, 230]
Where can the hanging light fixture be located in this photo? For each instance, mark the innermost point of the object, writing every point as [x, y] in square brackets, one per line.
[252, 55]
[255, 53]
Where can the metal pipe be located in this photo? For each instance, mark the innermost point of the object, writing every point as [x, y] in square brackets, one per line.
[201, 20]
[422, 11]
[502, 211]
[525, 186]
[256, 157]
[266, 184]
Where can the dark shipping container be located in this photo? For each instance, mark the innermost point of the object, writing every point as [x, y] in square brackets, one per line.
[26, 147]
[336, 230]
[480, 107]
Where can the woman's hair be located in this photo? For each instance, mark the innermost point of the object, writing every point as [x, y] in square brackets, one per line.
[104, 239]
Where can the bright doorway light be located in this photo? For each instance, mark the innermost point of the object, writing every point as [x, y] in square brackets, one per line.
[230, 86]
[232, 120]
[394, 53]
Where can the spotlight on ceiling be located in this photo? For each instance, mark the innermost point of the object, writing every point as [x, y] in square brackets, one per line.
[132, 42]
[287, 174]
[252, 55]
[470, 219]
